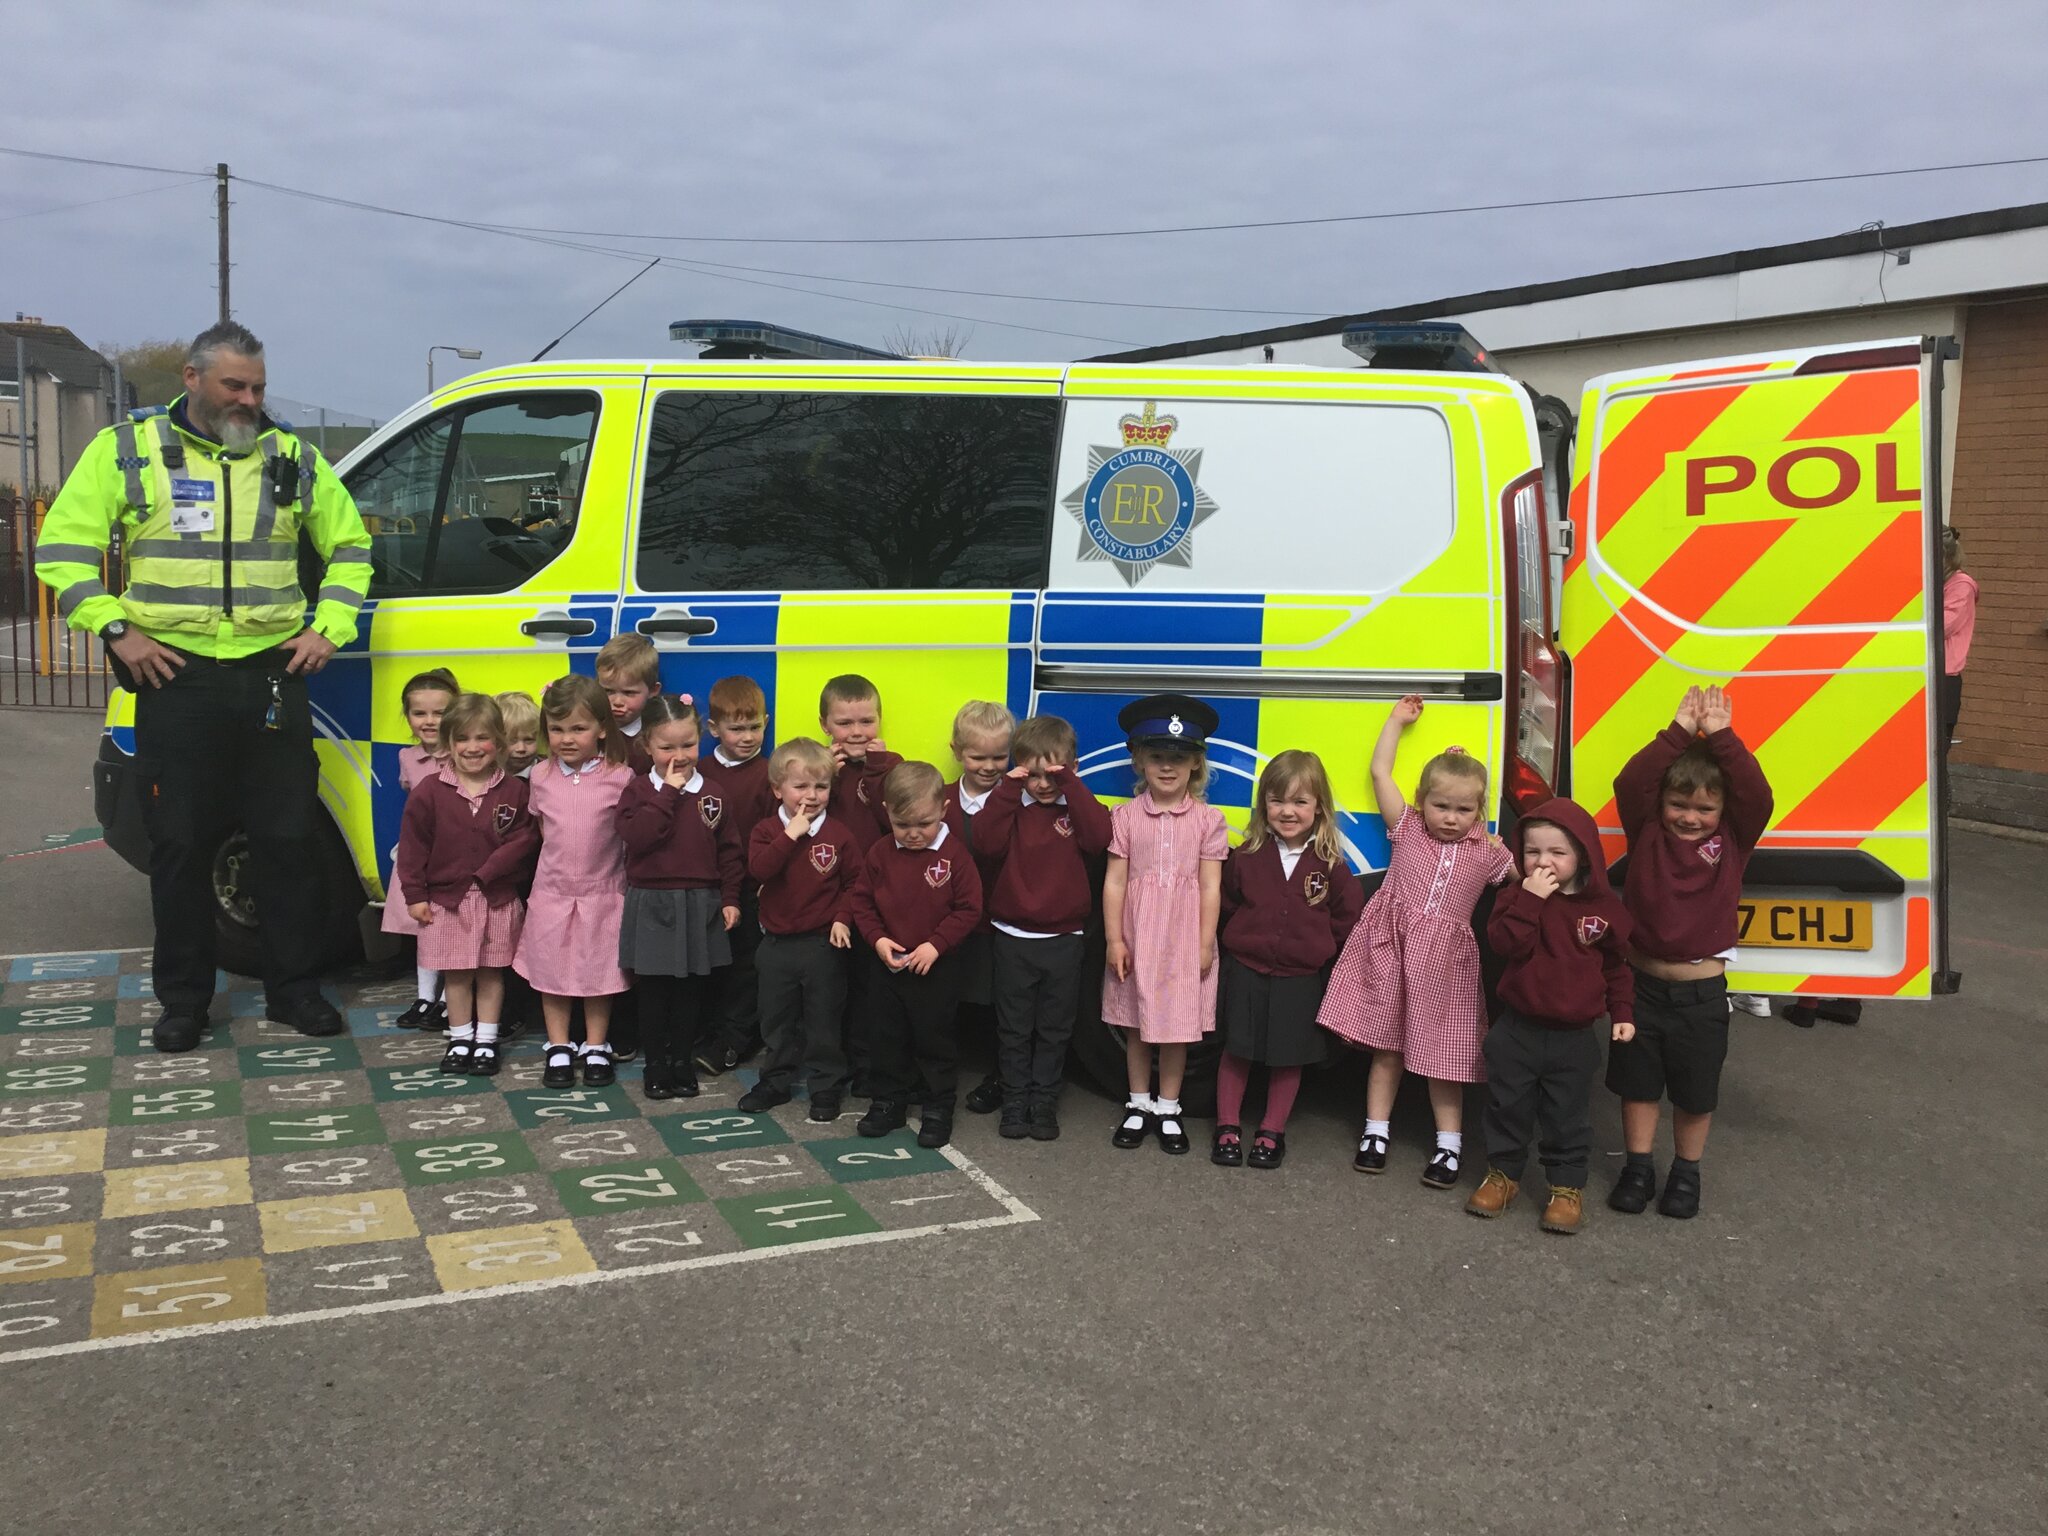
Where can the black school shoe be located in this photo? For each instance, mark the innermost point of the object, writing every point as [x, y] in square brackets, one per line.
[1016, 1123]
[825, 1108]
[1226, 1148]
[716, 1058]
[598, 1071]
[455, 1061]
[178, 1030]
[1372, 1154]
[883, 1116]
[1173, 1136]
[1634, 1190]
[483, 1059]
[986, 1097]
[314, 1016]
[1442, 1172]
[1681, 1195]
[559, 1067]
[425, 1013]
[1269, 1150]
[1045, 1119]
[1132, 1130]
[935, 1129]
[761, 1098]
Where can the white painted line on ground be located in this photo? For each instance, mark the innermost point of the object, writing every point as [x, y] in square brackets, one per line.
[1016, 1212]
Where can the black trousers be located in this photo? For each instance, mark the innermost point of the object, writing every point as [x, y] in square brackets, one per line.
[912, 1031]
[1037, 990]
[802, 991]
[739, 1023]
[208, 764]
[1539, 1083]
[672, 1013]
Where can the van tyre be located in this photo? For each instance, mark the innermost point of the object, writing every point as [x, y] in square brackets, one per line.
[1100, 1049]
[237, 938]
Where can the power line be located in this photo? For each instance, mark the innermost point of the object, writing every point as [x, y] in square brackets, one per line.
[1296, 223]
[114, 165]
[36, 213]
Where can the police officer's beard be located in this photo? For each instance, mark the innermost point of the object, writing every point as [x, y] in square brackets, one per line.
[238, 433]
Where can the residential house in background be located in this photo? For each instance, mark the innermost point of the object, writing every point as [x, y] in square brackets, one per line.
[46, 421]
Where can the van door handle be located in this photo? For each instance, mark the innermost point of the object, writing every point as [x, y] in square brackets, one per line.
[677, 624]
[557, 626]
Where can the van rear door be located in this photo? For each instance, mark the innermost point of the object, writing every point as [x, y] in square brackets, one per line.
[1771, 523]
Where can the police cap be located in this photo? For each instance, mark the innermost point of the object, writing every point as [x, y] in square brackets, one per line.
[1171, 720]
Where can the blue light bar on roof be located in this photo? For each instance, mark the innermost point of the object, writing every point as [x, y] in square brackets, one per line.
[758, 338]
[1426, 345]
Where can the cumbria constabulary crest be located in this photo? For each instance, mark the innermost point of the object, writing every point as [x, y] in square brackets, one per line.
[1140, 505]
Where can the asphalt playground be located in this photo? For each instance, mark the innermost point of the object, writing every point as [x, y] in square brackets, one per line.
[1853, 1336]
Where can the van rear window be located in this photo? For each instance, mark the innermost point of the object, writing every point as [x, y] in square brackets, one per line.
[772, 492]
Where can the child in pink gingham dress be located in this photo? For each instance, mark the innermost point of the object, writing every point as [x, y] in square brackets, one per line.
[569, 946]
[1406, 986]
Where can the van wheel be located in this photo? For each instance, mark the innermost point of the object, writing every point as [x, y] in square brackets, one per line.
[1100, 1051]
[237, 939]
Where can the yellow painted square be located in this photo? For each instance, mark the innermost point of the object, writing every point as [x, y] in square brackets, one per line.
[69, 1152]
[35, 1254]
[540, 1250]
[328, 1221]
[179, 1297]
[190, 1187]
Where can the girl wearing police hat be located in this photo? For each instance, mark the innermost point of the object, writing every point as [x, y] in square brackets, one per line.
[1160, 903]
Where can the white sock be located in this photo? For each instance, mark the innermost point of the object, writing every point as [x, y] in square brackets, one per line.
[1452, 1142]
[1380, 1128]
[1139, 1104]
[1166, 1109]
[461, 1032]
[486, 1034]
[429, 984]
[596, 1048]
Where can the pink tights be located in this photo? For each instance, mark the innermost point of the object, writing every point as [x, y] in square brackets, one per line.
[1282, 1083]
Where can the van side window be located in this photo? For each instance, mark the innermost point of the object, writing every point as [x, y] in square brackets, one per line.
[762, 492]
[477, 499]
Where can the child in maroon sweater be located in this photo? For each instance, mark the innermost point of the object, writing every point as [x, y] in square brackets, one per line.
[850, 710]
[804, 861]
[1694, 804]
[737, 771]
[1045, 830]
[915, 901]
[1564, 935]
[464, 849]
[1289, 903]
[683, 873]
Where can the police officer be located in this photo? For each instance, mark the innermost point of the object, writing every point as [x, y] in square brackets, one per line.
[211, 633]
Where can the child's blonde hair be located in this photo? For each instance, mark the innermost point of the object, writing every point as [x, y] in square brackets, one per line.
[799, 751]
[521, 714]
[1287, 773]
[631, 658]
[1452, 763]
[980, 720]
[472, 712]
[912, 787]
[565, 695]
[1198, 768]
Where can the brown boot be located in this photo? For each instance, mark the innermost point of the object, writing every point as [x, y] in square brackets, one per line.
[1565, 1210]
[1496, 1192]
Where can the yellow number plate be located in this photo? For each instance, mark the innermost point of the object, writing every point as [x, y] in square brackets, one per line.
[1805, 925]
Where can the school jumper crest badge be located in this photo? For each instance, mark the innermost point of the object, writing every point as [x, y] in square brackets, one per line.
[710, 807]
[938, 872]
[1315, 886]
[823, 857]
[1590, 930]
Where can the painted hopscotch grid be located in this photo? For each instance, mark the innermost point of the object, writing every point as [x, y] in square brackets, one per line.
[267, 1179]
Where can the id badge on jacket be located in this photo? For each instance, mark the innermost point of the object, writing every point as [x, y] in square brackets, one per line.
[191, 506]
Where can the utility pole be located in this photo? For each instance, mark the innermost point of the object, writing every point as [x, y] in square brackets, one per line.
[220, 204]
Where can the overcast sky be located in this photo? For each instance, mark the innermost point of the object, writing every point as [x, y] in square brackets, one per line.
[849, 119]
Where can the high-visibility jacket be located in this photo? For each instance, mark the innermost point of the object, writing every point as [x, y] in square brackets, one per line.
[211, 548]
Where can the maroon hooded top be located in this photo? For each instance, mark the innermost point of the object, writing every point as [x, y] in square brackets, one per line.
[1685, 896]
[1567, 953]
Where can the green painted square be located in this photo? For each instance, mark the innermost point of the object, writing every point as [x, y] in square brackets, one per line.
[559, 1108]
[879, 1157]
[795, 1216]
[28, 1018]
[451, 1159]
[686, 1134]
[78, 1074]
[303, 1059]
[400, 1085]
[624, 1187]
[355, 1125]
[172, 1103]
[135, 1039]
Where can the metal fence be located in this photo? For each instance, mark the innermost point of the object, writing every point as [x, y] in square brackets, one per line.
[47, 663]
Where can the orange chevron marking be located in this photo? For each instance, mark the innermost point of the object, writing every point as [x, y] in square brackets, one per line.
[1917, 938]
[1862, 405]
[1876, 586]
[1880, 775]
[1711, 560]
[1636, 458]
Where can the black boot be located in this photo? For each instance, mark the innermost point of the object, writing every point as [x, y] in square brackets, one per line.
[1016, 1124]
[883, 1116]
[1045, 1117]
[1634, 1190]
[986, 1097]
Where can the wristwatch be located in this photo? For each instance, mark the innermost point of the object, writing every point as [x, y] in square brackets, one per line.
[113, 629]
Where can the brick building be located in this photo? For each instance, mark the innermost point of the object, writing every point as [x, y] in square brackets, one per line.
[1981, 278]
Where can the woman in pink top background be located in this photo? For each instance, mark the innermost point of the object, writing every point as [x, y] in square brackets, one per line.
[1958, 628]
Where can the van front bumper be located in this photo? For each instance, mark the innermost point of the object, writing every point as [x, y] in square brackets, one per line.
[117, 801]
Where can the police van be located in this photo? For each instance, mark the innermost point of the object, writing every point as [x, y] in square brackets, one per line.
[1298, 546]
